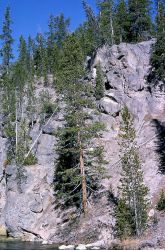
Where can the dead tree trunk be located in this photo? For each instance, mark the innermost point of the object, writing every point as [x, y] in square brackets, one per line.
[83, 176]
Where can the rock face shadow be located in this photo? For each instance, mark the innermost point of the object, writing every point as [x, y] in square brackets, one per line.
[160, 144]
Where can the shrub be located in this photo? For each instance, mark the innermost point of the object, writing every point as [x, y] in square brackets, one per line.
[161, 202]
[30, 160]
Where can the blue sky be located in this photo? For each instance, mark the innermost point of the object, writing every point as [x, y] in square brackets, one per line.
[31, 16]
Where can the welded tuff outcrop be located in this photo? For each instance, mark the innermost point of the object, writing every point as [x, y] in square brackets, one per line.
[33, 213]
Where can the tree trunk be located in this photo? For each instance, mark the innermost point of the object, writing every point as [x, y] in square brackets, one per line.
[16, 124]
[112, 30]
[83, 177]
[136, 215]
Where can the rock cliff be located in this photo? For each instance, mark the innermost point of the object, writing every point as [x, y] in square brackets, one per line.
[31, 212]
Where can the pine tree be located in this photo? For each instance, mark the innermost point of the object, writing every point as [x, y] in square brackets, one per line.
[61, 29]
[80, 162]
[140, 24]
[161, 202]
[99, 90]
[51, 43]
[106, 20]
[92, 27]
[9, 114]
[57, 33]
[7, 41]
[121, 22]
[30, 52]
[133, 191]
[158, 56]
[23, 54]
[124, 220]
[40, 57]
[85, 37]
[58, 30]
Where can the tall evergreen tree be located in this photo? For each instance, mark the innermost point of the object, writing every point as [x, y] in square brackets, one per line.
[133, 191]
[61, 29]
[57, 32]
[158, 56]
[9, 114]
[92, 26]
[80, 163]
[30, 52]
[99, 89]
[140, 24]
[23, 53]
[85, 37]
[40, 56]
[121, 22]
[106, 8]
[7, 41]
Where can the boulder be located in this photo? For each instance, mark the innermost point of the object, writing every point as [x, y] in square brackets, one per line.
[70, 247]
[3, 231]
[109, 106]
[81, 247]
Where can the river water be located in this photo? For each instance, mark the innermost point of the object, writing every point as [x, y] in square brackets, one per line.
[13, 245]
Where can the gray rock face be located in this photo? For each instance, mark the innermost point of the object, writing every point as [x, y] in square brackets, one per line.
[28, 208]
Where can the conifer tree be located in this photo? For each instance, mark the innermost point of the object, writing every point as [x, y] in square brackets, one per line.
[23, 54]
[161, 202]
[30, 52]
[124, 220]
[133, 191]
[85, 37]
[140, 24]
[51, 43]
[40, 56]
[9, 113]
[57, 32]
[106, 20]
[121, 22]
[99, 90]
[80, 162]
[158, 56]
[7, 41]
[92, 27]
[61, 26]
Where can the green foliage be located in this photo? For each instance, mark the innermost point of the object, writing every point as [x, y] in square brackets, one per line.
[161, 202]
[124, 220]
[22, 143]
[91, 28]
[8, 111]
[23, 53]
[158, 55]
[99, 90]
[58, 31]
[30, 52]
[30, 160]
[140, 24]
[132, 189]
[19, 78]
[106, 9]
[7, 41]
[76, 137]
[121, 22]
[84, 34]
[47, 107]
[40, 57]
